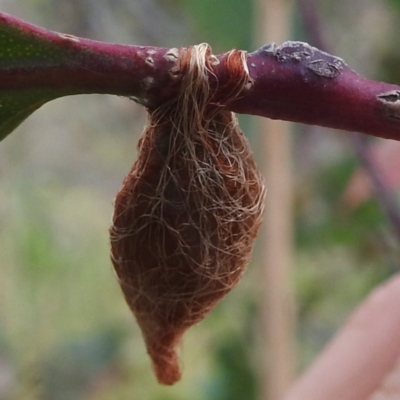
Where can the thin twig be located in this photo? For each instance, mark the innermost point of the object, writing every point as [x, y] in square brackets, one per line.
[383, 195]
[314, 26]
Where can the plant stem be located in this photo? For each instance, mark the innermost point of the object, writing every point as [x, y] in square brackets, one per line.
[313, 23]
[294, 81]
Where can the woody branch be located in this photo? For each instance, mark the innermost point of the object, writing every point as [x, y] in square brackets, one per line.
[294, 81]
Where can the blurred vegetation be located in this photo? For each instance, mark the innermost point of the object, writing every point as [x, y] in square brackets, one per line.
[65, 331]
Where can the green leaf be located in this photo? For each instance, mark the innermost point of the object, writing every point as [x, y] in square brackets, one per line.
[16, 106]
[22, 50]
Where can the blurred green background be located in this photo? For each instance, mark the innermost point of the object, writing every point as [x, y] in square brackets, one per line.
[65, 331]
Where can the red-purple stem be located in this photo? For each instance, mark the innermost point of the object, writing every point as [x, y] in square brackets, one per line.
[294, 81]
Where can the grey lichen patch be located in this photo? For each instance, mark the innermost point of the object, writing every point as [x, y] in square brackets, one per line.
[301, 50]
[324, 68]
[391, 103]
[294, 51]
[315, 60]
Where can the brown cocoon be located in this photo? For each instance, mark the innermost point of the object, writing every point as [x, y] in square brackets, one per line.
[187, 215]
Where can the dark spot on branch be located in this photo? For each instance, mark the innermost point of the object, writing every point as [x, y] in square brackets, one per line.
[391, 103]
[390, 97]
